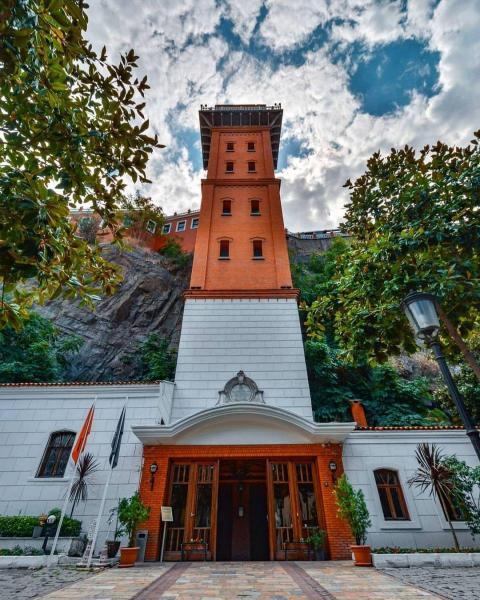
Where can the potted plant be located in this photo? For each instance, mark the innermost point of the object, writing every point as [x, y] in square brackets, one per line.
[114, 545]
[316, 539]
[352, 507]
[131, 512]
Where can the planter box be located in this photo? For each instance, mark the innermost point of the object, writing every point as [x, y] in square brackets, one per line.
[26, 562]
[420, 559]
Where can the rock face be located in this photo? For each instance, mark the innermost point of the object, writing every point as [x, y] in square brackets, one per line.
[149, 300]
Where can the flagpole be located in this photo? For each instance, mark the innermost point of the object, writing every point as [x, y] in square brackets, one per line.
[100, 512]
[62, 515]
[113, 459]
[70, 485]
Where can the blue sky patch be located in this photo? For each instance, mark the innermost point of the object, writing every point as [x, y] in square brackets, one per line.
[386, 79]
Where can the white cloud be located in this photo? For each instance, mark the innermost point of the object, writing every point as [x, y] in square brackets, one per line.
[181, 52]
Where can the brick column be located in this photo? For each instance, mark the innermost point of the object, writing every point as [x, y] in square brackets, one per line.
[154, 498]
[339, 537]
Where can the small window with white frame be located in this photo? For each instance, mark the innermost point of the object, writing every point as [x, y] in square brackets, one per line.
[151, 226]
[167, 228]
[195, 222]
[181, 225]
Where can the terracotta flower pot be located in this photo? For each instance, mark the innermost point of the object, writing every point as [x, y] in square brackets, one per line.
[363, 556]
[128, 556]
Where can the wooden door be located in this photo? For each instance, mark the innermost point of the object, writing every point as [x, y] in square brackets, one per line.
[193, 498]
[293, 512]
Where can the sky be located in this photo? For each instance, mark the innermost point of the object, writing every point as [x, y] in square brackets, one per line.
[353, 77]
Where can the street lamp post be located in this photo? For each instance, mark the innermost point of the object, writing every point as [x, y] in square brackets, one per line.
[420, 309]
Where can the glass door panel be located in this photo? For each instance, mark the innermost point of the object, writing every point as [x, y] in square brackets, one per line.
[202, 513]
[307, 503]
[282, 504]
[178, 501]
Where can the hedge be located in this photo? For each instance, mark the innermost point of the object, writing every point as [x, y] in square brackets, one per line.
[22, 526]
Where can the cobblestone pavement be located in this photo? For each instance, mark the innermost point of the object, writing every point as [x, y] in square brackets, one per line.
[23, 584]
[112, 584]
[455, 584]
[242, 580]
[228, 581]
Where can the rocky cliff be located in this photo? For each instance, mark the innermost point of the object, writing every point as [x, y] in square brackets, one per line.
[149, 300]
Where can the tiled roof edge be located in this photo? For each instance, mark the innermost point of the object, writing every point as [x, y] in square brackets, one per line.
[78, 383]
[411, 428]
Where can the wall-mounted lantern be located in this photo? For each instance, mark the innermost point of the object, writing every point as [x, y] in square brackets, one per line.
[153, 470]
[332, 465]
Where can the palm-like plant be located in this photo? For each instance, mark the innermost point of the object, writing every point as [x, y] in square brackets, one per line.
[433, 475]
[86, 467]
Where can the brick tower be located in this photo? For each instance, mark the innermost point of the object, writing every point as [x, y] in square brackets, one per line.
[240, 459]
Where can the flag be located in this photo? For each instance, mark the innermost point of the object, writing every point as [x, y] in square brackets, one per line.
[117, 440]
[81, 440]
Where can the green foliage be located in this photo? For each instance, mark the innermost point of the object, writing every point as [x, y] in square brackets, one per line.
[88, 228]
[132, 512]
[70, 527]
[22, 526]
[353, 508]
[84, 471]
[467, 383]
[158, 359]
[416, 227]
[70, 135]
[317, 538]
[36, 353]
[19, 551]
[18, 526]
[443, 550]
[466, 490]
[136, 211]
[434, 476]
[388, 399]
[173, 250]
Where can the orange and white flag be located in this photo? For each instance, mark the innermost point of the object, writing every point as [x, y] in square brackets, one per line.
[82, 437]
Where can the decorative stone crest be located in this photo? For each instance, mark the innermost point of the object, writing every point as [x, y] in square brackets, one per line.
[240, 389]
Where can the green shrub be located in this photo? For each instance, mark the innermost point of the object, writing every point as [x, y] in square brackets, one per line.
[19, 551]
[22, 526]
[397, 550]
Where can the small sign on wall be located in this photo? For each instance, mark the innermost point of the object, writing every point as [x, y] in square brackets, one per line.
[167, 514]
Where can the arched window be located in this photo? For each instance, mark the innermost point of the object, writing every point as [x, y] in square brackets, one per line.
[391, 496]
[57, 452]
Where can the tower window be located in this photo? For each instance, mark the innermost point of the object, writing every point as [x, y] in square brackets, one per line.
[229, 167]
[251, 166]
[251, 146]
[230, 146]
[255, 207]
[391, 495]
[181, 225]
[224, 249]
[226, 207]
[257, 249]
[56, 455]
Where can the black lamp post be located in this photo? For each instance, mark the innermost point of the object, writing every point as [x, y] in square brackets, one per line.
[421, 311]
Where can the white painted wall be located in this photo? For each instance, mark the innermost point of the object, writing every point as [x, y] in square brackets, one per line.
[29, 414]
[365, 451]
[221, 337]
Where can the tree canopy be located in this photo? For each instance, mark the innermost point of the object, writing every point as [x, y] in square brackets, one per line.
[72, 131]
[35, 353]
[415, 222]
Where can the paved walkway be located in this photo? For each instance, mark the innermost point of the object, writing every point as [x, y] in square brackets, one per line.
[240, 581]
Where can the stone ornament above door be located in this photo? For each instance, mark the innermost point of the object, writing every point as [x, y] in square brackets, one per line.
[240, 389]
